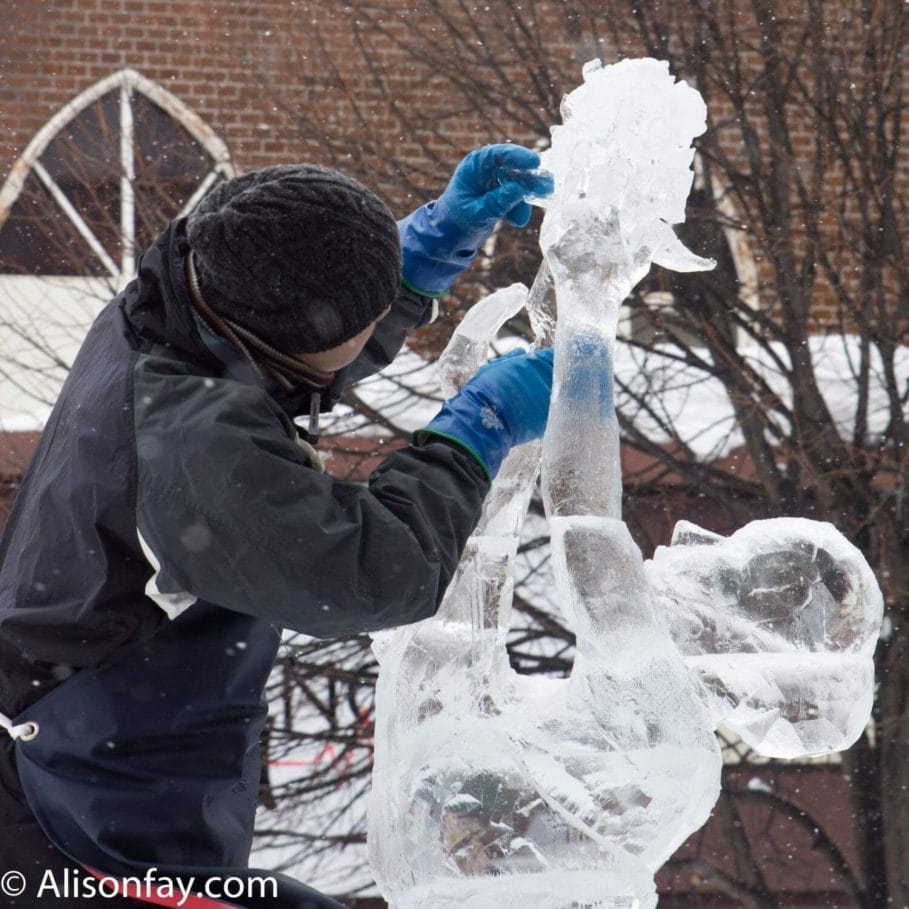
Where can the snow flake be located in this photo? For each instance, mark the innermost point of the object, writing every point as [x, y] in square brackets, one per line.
[490, 418]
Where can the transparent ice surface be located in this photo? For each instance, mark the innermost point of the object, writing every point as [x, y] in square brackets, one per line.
[778, 624]
[492, 789]
[468, 349]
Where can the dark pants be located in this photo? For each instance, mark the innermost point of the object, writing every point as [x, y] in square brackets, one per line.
[34, 874]
[28, 859]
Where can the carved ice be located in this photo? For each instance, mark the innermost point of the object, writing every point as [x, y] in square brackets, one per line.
[778, 624]
[492, 789]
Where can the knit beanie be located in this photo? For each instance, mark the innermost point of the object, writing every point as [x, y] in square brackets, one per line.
[302, 255]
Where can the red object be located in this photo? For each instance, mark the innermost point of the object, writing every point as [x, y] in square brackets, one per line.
[158, 895]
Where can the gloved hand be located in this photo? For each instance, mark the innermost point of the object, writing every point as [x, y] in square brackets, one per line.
[491, 183]
[440, 239]
[505, 404]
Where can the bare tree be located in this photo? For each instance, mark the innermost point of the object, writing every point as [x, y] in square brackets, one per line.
[802, 172]
[763, 849]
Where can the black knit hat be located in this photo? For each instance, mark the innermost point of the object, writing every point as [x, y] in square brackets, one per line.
[302, 255]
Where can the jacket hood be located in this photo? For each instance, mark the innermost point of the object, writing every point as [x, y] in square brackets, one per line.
[156, 303]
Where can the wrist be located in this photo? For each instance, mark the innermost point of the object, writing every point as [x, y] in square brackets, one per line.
[431, 294]
[429, 432]
[472, 421]
[436, 247]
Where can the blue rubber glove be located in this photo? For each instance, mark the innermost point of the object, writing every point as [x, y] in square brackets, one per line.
[505, 404]
[440, 239]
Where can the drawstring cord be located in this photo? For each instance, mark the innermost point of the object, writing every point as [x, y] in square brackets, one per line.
[313, 430]
[287, 371]
[24, 731]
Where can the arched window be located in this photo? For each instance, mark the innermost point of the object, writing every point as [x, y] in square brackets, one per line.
[94, 187]
[102, 177]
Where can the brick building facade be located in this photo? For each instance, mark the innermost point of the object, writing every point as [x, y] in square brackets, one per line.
[238, 85]
[362, 86]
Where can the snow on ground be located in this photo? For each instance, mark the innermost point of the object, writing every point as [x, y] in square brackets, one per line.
[697, 405]
[693, 403]
[44, 320]
[407, 393]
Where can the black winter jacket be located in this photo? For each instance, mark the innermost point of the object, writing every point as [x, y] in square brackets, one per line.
[169, 527]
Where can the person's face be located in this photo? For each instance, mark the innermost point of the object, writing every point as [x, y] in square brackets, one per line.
[344, 354]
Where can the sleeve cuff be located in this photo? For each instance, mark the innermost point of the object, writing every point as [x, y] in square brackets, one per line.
[424, 435]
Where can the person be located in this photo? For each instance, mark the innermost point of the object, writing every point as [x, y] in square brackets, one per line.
[175, 519]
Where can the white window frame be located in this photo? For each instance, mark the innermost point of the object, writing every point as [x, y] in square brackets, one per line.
[128, 82]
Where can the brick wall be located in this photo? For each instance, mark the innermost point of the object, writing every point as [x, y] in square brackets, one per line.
[54, 50]
[246, 68]
[274, 78]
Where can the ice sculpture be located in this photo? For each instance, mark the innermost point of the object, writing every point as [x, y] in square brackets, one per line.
[778, 624]
[491, 789]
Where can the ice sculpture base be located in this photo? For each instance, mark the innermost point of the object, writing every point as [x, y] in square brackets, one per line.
[549, 890]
